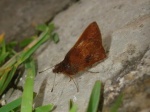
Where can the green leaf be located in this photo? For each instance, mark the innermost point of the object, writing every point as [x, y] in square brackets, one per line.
[117, 104]
[41, 27]
[95, 97]
[25, 42]
[51, 25]
[55, 38]
[27, 97]
[10, 106]
[45, 108]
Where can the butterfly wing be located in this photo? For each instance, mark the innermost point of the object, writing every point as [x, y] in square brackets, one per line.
[87, 50]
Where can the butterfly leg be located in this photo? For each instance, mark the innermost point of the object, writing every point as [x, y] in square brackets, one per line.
[92, 71]
[71, 78]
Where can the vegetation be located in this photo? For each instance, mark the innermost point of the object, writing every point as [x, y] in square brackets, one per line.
[10, 61]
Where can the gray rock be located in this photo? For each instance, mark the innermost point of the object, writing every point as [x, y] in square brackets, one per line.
[125, 32]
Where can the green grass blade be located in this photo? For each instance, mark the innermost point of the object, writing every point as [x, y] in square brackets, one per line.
[26, 42]
[95, 97]
[3, 45]
[9, 63]
[3, 53]
[19, 58]
[10, 106]
[2, 83]
[30, 49]
[27, 97]
[117, 104]
[35, 44]
[72, 106]
[45, 108]
[6, 78]
[3, 57]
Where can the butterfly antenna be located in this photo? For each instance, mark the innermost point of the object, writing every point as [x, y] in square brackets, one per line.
[53, 84]
[75, 83]
[45, 70]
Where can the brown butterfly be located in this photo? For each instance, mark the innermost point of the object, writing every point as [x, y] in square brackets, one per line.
[87, 51]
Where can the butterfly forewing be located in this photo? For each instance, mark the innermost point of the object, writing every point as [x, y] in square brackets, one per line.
[88, 49]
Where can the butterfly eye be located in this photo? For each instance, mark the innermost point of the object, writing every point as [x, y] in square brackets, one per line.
[67, 66]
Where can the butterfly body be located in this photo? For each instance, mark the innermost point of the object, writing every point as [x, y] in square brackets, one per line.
[87, 51]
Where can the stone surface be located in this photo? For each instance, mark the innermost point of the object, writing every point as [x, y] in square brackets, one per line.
[125, 32]
[134, 86]
[18, 19]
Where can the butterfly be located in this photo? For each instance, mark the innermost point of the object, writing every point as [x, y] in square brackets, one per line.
[87, 51]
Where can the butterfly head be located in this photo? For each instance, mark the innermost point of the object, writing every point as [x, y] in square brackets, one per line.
[58, 68]
[65, 68]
